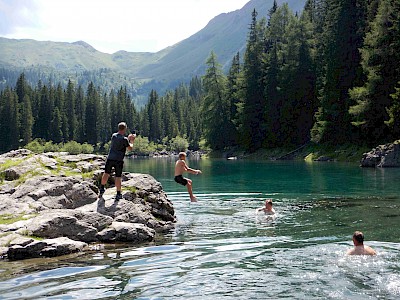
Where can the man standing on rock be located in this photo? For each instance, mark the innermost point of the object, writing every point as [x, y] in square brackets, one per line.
[115, 159]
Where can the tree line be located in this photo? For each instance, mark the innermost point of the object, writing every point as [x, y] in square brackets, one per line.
[89, 115]
[329, 75]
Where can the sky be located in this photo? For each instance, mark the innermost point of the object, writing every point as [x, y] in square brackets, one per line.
[111, 25]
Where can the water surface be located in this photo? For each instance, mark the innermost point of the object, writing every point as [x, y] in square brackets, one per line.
[221, 248]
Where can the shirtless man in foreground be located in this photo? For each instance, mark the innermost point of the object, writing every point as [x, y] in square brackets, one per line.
[359, 248]
[267, 209]
[180, 168]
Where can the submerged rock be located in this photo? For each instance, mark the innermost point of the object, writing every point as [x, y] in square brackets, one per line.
[47, 248]
[383, 156]
[50, 214]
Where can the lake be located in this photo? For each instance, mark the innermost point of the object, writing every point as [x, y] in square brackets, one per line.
[221, 248]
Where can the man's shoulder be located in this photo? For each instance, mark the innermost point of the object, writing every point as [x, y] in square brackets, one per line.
[370, 250]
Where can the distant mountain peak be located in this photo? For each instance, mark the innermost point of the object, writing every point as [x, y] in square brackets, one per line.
[85, 45]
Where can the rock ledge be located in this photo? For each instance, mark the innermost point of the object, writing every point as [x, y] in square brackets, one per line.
[49, 205]
[383, 156]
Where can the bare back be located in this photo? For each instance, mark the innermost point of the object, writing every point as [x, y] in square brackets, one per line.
[180, 167]
[361, 250]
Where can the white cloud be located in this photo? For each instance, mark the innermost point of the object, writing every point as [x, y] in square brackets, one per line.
[132, 25]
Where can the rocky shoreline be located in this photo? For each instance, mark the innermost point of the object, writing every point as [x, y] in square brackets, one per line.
[383, 156]
[49, 205]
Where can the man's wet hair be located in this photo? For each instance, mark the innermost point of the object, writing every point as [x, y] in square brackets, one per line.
[182, 154]
[359, 237]
[122, 126]
[269, 201]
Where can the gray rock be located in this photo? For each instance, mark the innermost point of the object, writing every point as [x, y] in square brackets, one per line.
[48, 248]
[383, 156]
[73, 224]
[56, 192]
[3, 252]
[65, 210]
[126, 232]
[21, 241]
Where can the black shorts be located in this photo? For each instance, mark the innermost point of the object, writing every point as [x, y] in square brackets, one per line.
[179, 179]
[116, 164]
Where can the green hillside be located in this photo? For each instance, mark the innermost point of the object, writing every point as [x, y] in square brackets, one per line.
[226, 34]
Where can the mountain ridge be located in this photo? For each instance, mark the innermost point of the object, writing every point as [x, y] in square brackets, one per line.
[225, 34]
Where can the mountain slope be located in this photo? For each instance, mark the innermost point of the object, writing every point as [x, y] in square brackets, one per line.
[226, 34]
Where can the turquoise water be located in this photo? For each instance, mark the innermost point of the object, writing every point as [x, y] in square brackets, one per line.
[221, 248]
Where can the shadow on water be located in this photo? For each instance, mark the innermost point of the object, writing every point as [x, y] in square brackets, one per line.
[221, 248]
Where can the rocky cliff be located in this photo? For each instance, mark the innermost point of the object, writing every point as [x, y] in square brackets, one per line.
[49, 205]
[383, 156]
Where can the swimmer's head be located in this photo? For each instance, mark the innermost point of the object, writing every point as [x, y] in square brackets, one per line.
[268, 203]
[358, 238]
[182, 155]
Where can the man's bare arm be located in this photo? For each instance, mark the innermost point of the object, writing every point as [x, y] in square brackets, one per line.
[192, 171]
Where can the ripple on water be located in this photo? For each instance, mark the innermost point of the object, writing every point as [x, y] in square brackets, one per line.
[222, 249]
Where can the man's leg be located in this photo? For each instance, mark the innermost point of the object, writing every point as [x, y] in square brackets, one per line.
[190, 190]
[118, 184]
[104, 179]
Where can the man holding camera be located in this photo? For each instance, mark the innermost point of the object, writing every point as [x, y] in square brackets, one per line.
[115, 159]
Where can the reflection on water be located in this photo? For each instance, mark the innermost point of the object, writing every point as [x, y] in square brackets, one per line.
[222, 248]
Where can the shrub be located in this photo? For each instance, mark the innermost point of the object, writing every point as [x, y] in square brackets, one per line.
[142, 146]
[50, 147]
[87, 148]
[35, 146]
[179, 144]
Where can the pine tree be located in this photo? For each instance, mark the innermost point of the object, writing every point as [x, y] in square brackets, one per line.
[56, 127]
[154, 117]
[234, 88]
[343, 36]
[81, 115]
[253, 130]
[394, 114]
[380, 62]
[219, 129]
[26, 120]
[92, 114]
[9, 138]
[71, 113]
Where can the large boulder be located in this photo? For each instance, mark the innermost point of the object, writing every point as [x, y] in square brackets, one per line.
[126, 232]
[383, 156]
[47, 248]
[73, 224]
[64, 210]
[55, 192]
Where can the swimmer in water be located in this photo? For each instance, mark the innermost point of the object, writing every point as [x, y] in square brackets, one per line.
[267, 209]
[180, 168]
[359, 247]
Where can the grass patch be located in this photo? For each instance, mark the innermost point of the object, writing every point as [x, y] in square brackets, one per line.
[131, 189]
[28, 175]
[87, 175]
[7, 219]
[9, 163]
[34, 237]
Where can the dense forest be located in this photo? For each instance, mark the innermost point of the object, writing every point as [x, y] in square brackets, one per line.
[330, 75]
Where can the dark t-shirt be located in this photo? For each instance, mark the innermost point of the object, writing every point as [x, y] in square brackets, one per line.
[119, 143]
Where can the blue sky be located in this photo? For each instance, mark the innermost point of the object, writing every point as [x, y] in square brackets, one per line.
[111, 25]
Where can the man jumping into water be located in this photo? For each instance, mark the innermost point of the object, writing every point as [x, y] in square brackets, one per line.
[267, 209]
[180, 168]
[359, 248]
